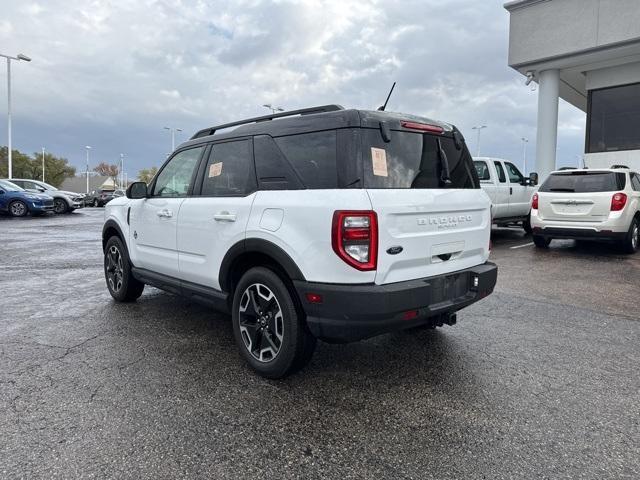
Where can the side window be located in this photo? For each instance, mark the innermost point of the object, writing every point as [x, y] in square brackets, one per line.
[175, 178]
[482, 169]
[514, 174]
[313, 156]
[229, 171]
[19, 183]
[501, 176]
[635, 182]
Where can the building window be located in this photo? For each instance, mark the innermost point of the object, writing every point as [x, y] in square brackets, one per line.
[613, 119]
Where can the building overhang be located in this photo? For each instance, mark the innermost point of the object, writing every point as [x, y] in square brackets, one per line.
[575, 37]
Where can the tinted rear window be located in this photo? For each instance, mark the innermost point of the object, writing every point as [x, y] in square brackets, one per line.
[412, 160]
[584, 182]
[313, 157]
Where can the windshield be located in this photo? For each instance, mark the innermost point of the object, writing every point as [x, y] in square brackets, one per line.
[415, 160]
[10, 187]
[584, 182]
[47, 186]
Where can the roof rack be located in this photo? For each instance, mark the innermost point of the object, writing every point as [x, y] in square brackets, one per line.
[619, 166]
[304, 111]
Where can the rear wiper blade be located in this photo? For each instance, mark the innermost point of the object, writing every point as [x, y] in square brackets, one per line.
[445, 175]
[561, 190]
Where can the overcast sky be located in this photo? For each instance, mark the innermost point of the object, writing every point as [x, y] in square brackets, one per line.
[112, 74]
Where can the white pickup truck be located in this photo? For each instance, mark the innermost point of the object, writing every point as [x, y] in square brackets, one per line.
[510, 191]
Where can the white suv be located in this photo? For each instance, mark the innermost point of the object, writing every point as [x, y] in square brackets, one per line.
[322, 223]
[583, 204]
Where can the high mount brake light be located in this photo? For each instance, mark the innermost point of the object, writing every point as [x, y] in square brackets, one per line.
[618, 201]
[354, 238]
[422, 127]
[534, 202]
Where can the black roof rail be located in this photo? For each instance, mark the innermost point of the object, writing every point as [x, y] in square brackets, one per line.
[304, 111]
[619, 166]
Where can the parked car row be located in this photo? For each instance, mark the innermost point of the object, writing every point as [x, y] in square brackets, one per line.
[23, 193]
[17, 202]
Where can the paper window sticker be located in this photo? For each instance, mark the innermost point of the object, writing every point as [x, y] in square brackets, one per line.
[215, 169]
[379, 161]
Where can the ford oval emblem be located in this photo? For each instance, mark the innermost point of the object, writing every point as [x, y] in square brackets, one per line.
[394, 250]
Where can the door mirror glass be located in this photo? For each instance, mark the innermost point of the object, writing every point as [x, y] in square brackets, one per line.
[137, 190]
[533, 179]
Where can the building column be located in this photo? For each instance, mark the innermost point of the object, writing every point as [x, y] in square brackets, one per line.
[547, 137]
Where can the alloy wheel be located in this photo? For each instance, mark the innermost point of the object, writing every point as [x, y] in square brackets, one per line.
[635, 236]
[261, 322]
[59, 206]
[115, 272]
[18, 209]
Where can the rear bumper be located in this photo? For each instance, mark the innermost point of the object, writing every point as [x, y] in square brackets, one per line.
[354, 312]
[579, 234]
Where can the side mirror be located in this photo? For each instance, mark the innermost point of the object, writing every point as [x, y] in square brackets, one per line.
[533, 179]
[41, 190]
[137, 190]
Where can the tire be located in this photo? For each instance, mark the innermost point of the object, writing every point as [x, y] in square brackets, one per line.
[526, 224]
[117, 272]
[270, 331]
[541, 242]
[96, 203]
[18, 208]
[631, 242]
[60, 206]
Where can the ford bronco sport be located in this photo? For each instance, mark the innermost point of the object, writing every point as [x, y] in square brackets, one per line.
[322, 223]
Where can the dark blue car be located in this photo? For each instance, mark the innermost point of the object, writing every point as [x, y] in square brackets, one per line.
[17, 202]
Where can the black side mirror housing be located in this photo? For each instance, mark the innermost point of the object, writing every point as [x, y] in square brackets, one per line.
[137, 190]
[533, 179]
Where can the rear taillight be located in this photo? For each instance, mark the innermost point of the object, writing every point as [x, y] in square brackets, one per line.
[354, 237]
[534, 202]
[618, 201]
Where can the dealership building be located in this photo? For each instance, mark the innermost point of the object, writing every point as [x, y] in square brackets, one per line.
[588, 53]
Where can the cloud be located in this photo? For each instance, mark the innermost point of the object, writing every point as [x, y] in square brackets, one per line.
[113, 74]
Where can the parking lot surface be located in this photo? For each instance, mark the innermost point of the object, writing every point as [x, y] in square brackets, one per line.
[539, 380]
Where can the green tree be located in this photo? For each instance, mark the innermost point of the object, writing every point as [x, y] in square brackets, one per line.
[146, 174]
[24, 166]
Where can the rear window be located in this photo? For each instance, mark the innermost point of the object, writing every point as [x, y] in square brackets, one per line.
[413, 160]
[584, 182]
[313, 157]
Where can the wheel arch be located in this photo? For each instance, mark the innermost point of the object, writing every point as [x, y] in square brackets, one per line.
[255, 252]
[110, 229]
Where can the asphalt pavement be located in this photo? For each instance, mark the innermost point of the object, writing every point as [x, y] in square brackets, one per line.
[539, 380]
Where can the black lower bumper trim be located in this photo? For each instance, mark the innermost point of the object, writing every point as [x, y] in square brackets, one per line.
[354, 312]
[579, 234]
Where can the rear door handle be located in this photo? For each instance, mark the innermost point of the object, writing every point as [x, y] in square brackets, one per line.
[164, 213]
[224, 217]
[510, 190]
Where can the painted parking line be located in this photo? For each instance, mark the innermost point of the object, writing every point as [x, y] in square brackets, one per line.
[522, 246]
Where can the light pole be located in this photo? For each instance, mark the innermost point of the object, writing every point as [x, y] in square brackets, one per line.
[43, 164]
[122, 170]
[272, 108]
[9, 58]
[87, 148]
[173, 136]
[524, 154]
[479, 129]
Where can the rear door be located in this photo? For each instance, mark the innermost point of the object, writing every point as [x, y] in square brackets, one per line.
[153, 220]
[579, 195]
[215, 218]
[439, 227]
[501, 202]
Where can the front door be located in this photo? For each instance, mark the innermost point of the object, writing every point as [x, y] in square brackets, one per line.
[153, 220]
[215, 218]
[519, 193]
